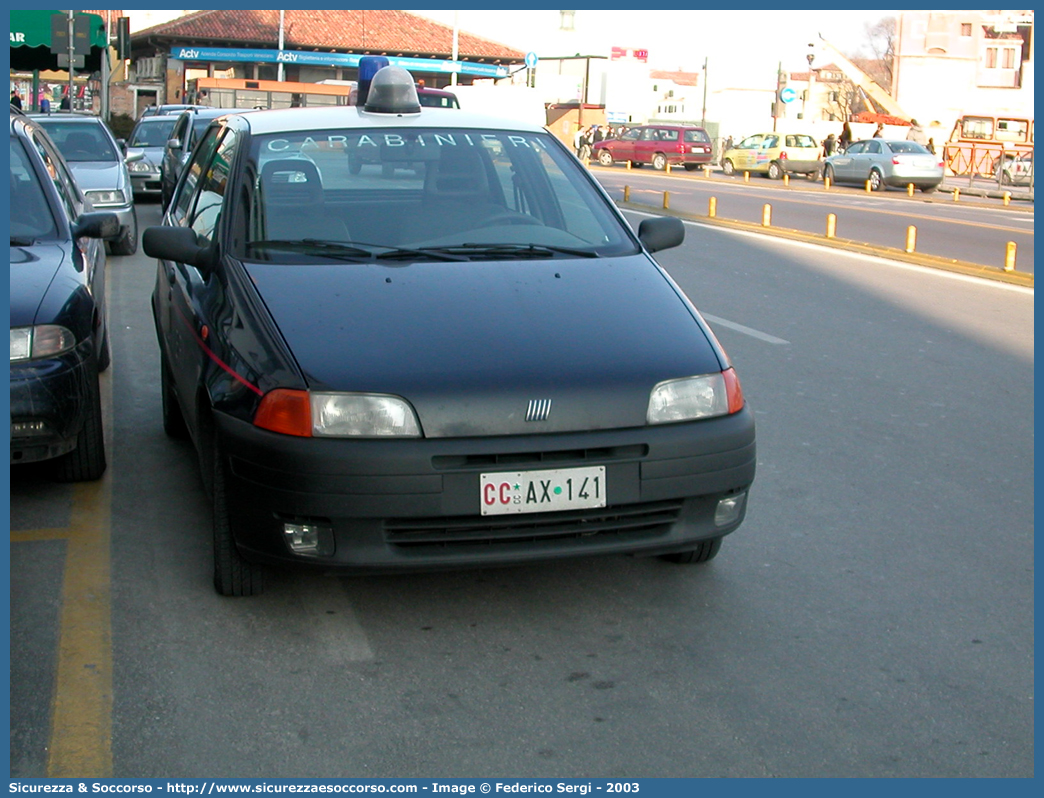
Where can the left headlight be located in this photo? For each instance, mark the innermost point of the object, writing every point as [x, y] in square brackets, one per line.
[337, 415]
[692, 398]
[45, 340]
[102, 198]
[142, 166]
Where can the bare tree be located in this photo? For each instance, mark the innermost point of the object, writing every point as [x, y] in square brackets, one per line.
[880, 41]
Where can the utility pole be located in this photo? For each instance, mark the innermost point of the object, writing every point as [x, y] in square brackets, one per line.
[282, 19]
[456, 47]
[72, 58]
[703, 116]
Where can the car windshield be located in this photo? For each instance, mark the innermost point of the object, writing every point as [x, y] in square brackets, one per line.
[31, 217]
[80, 141]
[422, 191]
[152, 132]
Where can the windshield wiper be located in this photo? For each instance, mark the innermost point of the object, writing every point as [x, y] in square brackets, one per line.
[514, 250]
[332, 249]
[353, 250]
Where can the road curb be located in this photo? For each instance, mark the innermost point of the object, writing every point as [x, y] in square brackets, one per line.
[930, 261]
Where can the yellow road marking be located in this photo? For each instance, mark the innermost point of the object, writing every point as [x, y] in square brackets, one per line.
[81, 704]
[81, 709]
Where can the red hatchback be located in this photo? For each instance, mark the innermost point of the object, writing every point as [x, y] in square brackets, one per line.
[659, 145]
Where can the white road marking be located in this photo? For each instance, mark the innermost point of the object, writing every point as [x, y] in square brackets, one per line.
[761, 336]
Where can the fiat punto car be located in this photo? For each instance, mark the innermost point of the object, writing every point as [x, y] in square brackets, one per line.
[467, 360]
[775, 154]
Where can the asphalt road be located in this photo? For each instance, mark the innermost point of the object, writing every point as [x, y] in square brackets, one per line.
[873, 617]
[973, 229]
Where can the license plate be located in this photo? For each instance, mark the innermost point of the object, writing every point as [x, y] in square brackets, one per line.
[542, 491]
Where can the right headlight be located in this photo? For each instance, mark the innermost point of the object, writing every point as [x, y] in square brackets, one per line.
[692, 398]
[337, 415]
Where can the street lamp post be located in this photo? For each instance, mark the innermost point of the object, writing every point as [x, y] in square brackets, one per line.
[811, 84]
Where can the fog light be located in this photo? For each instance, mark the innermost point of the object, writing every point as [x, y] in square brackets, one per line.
[729, 509]
[306, 538]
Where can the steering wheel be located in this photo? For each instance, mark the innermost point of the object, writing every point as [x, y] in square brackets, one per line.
[509, 217]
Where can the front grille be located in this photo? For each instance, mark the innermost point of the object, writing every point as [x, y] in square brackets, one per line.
[560, 458]
[624, 523]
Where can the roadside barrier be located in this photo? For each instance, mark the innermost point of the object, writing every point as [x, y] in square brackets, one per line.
[831, 230]
[1009, 257]
[666, 200]
[766, 215]
[712, 207]
[911, 239]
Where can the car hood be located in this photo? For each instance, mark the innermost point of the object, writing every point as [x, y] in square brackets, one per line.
[32, 271]
[471, 344]
[98, 175]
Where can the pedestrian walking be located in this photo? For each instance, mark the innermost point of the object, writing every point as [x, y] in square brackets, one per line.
[879, 133]
[16, 99]
[828, 145]
[845, 138]
[916, 133]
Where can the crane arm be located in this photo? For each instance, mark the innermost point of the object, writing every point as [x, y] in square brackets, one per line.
[872, 89]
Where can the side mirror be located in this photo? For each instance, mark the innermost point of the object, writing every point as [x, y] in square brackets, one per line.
[133, 155]
[96, 224]
[174, 144]
[662, 232]
[178, 244]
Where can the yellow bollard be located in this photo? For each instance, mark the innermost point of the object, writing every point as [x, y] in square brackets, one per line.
[666, 200]
[1007, 198]
[826, 183]
[667, 168]
[628, 164]
[712, 207]
[766, 215]
[786, 179]
[627, 192]
[831, 225]
[746, 177]
[909, 189]
[868, 189]
[911, 238]
[956, 194]
[1009, 257]
[706, 171]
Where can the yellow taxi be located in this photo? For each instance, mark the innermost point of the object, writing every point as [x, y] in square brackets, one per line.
[773, 154]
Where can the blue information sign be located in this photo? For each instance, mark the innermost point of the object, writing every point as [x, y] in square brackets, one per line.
[788, 95]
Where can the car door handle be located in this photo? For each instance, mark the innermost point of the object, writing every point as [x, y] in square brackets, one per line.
[171, 277]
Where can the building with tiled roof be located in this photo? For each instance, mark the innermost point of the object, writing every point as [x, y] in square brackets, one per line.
[317, 46]
[380, 32]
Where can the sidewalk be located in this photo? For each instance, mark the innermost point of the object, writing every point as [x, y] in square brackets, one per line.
[987, 188]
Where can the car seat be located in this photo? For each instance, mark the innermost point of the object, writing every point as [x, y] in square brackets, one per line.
[294, 202]
[456, 195]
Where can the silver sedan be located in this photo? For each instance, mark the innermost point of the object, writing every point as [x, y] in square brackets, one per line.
[886, 162]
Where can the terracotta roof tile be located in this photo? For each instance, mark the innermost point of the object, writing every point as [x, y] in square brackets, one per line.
[378, 32]
[681, 78]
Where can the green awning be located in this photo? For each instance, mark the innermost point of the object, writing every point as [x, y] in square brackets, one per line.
[31, 40]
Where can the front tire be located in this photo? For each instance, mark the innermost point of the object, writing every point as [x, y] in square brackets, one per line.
[728, 167]
[128, 243]
[87, 461]
[704, 552]
[828, 174]
[233, 576]
[605, 158]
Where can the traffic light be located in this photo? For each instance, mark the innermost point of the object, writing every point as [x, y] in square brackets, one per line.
[123, 42]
